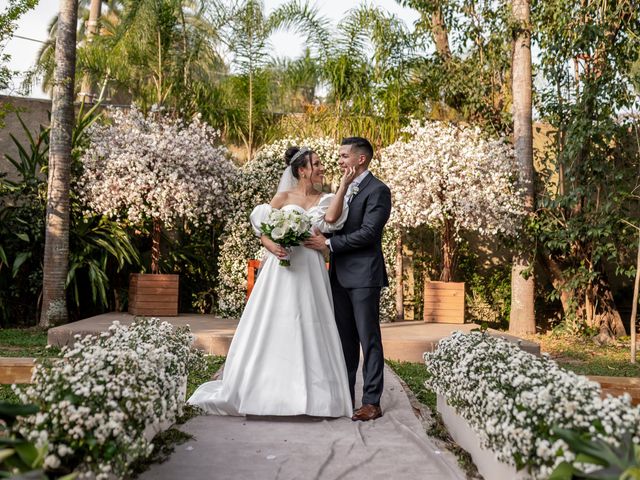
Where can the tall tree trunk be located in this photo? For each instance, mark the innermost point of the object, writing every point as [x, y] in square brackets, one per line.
[88, 89]
[559, 283]
[448, 252]
[634, 306]
[606, 317]
[522, 318]
[56, 248]
[155, 245]
[399, 280]
[440, 33]
[250, 140]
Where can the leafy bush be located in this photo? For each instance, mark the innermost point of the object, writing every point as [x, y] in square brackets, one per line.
[99, 248]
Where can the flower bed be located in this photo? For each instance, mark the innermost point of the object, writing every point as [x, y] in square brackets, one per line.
[99, 399]
[512, 400]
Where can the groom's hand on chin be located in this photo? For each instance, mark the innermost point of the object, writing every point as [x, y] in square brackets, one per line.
[316, 242]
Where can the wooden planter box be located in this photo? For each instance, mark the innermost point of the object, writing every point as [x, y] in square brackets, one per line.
[444, 302]
[16, 370]
[617, 386]
[153, 294]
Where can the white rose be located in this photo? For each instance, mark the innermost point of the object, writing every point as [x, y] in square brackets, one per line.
[277, 233]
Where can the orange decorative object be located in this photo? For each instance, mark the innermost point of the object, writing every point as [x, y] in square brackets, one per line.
[252, 270]
[252, 274]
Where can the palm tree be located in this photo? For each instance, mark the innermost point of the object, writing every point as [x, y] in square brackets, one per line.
[522, 319]
[294, 83]
[87, 91]
[87, 9]
[248, 39]
[365, 65]
[246, 36]
[153, 52]
[56, 252]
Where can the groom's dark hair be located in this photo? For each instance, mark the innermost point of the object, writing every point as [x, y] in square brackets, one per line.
[362, 145]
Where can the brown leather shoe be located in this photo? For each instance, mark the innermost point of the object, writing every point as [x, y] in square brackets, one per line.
[367, 412]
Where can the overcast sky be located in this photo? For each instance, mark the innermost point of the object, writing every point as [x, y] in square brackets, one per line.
[35, 23]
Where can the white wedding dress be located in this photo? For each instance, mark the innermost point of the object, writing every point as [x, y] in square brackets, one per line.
[285, 357]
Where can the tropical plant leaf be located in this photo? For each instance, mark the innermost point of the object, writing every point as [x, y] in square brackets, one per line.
[564, 471]
[19, 260]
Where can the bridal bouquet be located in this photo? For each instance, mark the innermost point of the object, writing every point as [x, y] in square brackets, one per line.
[287, 228]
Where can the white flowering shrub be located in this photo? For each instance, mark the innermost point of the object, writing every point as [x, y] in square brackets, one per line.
[451, 178]
[388, 295]
[141, 167]
[97, 399]
[512, 400]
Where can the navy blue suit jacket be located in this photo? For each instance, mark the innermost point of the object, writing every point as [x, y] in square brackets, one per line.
[356, 258]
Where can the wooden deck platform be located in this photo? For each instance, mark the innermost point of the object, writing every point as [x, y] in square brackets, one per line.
[406, 341]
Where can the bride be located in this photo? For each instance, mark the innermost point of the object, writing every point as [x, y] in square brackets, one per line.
[286, 357]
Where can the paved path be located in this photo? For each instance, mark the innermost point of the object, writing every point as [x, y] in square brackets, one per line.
[394, 447]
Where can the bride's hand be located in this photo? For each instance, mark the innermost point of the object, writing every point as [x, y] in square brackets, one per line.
[348, 177]
[276, 249]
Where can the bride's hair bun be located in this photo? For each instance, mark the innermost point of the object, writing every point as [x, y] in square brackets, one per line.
[288, 155]
[296, 158]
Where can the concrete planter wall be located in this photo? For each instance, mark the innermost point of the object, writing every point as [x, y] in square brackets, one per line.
[152, 429]
[488, 465]
[444, 302]
[153, 294]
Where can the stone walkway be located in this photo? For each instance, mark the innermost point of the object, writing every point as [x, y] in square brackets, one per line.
[394, 447]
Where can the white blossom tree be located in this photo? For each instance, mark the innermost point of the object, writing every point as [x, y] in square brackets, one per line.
[157, 169]
[451, 178]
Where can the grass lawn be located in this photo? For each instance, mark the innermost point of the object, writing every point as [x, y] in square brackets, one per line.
[214, 362]
[414, 375]
[585, 357]
[22, 342]
[25, 342]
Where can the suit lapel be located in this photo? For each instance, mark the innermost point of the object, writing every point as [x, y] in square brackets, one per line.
[364, 183]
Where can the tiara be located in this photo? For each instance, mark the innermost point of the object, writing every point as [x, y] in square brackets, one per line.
[299, 153]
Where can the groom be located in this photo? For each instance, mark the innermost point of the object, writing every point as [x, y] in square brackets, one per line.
[357, 274]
